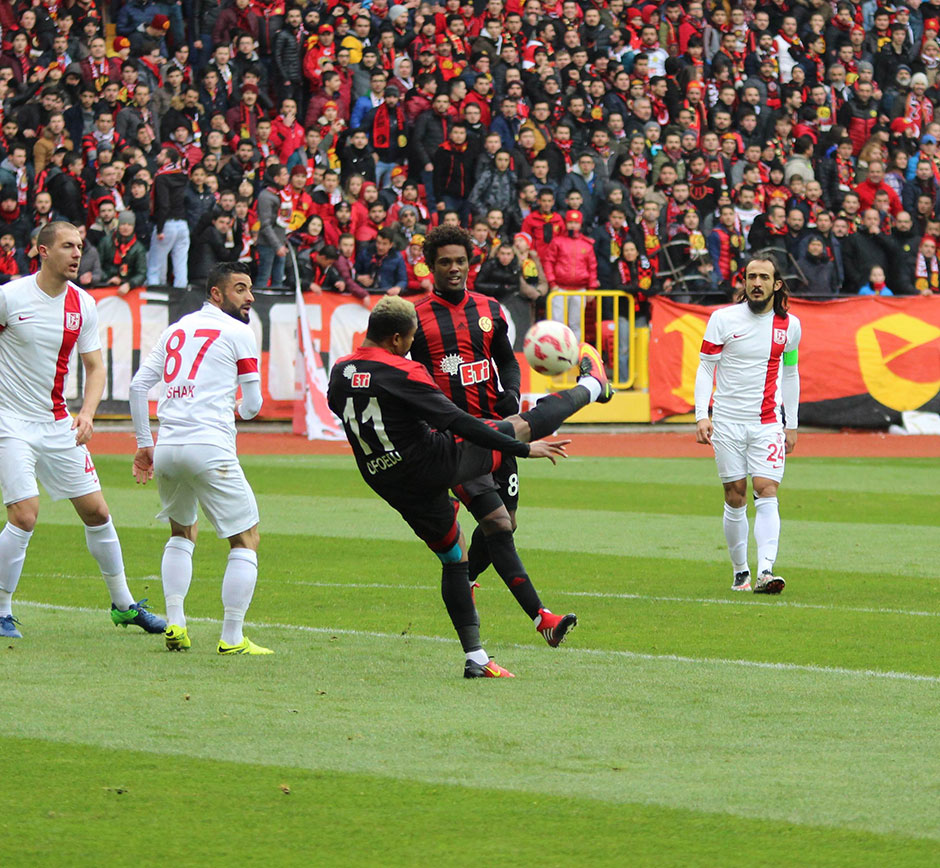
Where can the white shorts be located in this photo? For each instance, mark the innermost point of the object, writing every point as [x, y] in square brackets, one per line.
[45, 450]
[209, 476]
[743, 450]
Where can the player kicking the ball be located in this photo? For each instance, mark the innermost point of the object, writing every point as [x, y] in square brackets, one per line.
[200, 362]
[44, 317]
[406, 436]
[463, 341]
[753, 345]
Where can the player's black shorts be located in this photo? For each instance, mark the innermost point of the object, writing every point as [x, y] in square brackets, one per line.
[502, 483]
[429, 511]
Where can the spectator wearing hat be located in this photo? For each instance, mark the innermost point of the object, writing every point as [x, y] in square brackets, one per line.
[570, 264]
[324, 50]
[151, 37]
[817, 268]
[105, 222]
[123, 257]
[495, 187]
[13, 217]
[170, 239]
[388, 134]
[243, 118]
[416, 269]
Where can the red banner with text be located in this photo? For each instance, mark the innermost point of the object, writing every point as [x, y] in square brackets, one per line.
[863, 361]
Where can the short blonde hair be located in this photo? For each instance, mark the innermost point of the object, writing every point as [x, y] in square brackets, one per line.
[391, 315]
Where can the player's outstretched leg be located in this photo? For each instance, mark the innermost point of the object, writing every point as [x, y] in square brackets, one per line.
[105, 547]
[547, 415]
[176, 571]
[13, 544]
[767, 534]
[238, 586]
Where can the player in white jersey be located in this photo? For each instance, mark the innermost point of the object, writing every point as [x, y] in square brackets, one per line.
[43, 318]
[200, 362]
[753, 346]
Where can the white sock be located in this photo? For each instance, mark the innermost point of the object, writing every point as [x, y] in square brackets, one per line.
[480, 657]
[735, 523]
[177, 572]
[105, 548]
[592, 384]
[766, 532]
[238, 584]
[13, 543]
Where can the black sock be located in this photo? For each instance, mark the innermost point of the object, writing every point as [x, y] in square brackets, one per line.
[478, 558]
[547, 415]
[455, 589]
[508, 564]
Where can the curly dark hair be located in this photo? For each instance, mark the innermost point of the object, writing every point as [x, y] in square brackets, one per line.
[440, 237]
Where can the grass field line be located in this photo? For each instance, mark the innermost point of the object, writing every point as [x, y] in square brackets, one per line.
[594, 652]
[599, 595]
[604, 595]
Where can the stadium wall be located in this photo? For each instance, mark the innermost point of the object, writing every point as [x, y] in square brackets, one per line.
[862, 360]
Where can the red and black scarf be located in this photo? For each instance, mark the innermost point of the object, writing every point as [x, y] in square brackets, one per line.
[121, 249]
[382, 126]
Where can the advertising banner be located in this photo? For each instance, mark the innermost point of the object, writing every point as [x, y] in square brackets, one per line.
[863, 361]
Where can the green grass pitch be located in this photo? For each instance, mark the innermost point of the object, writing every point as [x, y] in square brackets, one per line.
[680, 725]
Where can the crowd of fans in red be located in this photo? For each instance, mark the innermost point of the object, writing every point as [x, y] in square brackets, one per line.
[650, 147]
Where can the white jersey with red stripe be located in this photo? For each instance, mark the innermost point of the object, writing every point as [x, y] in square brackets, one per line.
[37, 335]
[748, 348]
[200, 361]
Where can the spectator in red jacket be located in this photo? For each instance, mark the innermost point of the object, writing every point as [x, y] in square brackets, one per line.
[570, 264]
[543, 223]
[874, 183]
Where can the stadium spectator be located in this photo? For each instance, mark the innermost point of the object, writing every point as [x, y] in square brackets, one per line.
[380, 267]
[123, 257]
[274, 211]
[170, 240]
[877, 284]
[570, 264]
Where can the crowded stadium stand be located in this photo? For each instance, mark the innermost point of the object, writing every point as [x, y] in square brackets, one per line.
[607, 158]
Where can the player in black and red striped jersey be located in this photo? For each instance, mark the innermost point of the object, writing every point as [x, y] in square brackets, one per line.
[412, 444]
[463, 341]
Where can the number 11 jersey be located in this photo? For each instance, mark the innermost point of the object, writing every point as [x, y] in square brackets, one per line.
[201, 360]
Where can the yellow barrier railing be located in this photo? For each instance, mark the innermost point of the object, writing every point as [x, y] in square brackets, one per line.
[570, 306]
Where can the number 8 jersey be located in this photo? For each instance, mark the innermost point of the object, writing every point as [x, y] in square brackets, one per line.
[201, 360]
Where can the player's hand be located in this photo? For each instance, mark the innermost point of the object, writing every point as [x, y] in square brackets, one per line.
[143, 465]
[84, 427]
[703, 432]
[790, 434]
[549, 449]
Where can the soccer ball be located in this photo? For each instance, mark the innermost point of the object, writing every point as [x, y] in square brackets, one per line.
[550, 348]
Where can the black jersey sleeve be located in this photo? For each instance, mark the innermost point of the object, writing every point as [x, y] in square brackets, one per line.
[510, 377]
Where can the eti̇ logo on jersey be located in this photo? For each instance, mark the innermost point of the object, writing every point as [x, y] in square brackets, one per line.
[357, 379]
[780, 336]
[72, 321]
[475, 372]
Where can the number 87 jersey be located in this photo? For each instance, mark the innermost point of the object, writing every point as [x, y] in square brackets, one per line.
[200, 362]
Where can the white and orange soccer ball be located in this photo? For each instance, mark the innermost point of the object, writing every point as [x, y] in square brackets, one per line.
[550, 348]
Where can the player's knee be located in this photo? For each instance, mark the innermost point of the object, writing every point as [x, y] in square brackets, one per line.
[23, 516]
[247, 539]
[453, 555]
[499, 523]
